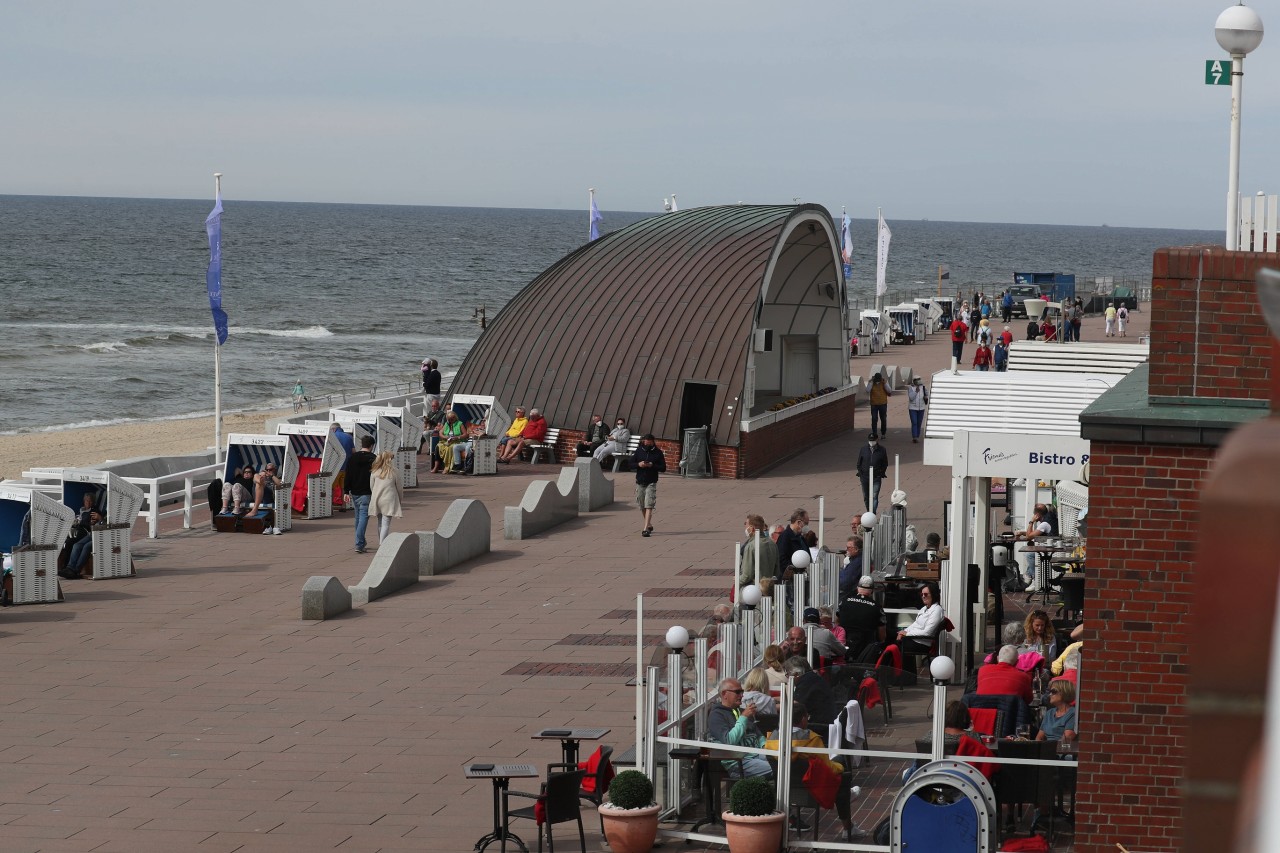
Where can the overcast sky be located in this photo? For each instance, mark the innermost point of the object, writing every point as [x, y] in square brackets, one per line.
[1085, 112]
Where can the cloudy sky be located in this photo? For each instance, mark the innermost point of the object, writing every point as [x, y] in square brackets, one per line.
[1085, 112]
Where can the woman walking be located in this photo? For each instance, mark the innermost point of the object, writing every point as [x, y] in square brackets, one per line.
[917, 399]
[386, 493]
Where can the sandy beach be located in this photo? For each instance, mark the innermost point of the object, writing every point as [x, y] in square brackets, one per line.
[92, 446]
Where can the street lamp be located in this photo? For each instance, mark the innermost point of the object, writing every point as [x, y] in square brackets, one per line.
[1238, 31]
[748, 599]
[941, 669]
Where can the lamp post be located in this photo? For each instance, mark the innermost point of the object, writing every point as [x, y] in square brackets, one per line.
[868, 522]
[800, 561]
[677, 638]
[748, 599]
[940, 669]
[1238, 31]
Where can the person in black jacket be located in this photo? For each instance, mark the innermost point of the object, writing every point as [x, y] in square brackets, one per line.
[650, 462]
[790, 541]
[597, 433]
[356, 484]
[873, 463]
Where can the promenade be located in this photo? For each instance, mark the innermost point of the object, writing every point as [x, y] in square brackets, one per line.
[190, 708]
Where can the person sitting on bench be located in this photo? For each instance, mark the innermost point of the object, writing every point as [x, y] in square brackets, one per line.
[619, 438]
[82, 530]
[238, 491]
[533, 433]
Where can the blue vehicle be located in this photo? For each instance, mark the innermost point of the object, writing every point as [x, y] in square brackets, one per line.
[1053, 286]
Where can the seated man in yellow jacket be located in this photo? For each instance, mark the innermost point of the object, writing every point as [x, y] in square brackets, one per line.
[517, 427]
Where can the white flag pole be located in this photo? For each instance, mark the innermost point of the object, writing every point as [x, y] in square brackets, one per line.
[217, 364]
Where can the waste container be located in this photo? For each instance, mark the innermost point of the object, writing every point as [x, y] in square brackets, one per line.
[696, 461]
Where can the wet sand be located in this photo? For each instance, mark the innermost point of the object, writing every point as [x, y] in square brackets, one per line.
[92, 446]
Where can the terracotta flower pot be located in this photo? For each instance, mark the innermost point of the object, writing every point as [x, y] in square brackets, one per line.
[753, 833]
[630, 830]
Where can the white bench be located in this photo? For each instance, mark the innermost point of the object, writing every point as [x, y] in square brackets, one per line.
[626, 456]
[548, 445]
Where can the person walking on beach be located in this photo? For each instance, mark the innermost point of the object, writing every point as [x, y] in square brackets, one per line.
[299, 396]
[385, 493]
[356, 485]
[873, 463]
[650, 462]
[917, 399]
[878, 393]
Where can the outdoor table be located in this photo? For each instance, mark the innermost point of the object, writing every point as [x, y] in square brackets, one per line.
[569, 739]
[501, 774]
[1045, 554]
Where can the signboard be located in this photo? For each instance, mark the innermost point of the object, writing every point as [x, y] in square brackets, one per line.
[990, 454]
[1217, 72]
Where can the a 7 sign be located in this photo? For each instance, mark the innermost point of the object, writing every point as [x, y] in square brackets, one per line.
[1217, 72]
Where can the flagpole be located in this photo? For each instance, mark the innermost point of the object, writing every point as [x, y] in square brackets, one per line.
[879, 228]
[939, 281]
[217, 364]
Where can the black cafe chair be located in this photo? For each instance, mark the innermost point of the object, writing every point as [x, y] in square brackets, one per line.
[559, 801]
[1029, 785]
[603, 757]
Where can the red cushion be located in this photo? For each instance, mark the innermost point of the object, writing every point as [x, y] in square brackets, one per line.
[984, 720]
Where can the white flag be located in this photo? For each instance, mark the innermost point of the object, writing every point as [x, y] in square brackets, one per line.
[882, 256]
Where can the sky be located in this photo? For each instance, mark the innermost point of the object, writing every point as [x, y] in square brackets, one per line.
[1088, 112]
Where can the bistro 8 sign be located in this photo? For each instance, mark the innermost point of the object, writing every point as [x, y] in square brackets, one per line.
[988, 454]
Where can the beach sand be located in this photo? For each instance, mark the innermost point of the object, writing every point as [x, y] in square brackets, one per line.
[91, 446]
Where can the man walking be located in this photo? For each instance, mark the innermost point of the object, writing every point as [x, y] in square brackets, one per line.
[356, 484]
[873, 463]
[650, 462]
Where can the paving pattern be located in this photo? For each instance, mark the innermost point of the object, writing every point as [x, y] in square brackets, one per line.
[190, 708]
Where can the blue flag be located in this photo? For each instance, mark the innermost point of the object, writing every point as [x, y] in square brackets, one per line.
[213, 276]
[596, 219]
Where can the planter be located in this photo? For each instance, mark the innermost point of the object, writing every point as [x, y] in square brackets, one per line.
[630, 830]
[755, 833]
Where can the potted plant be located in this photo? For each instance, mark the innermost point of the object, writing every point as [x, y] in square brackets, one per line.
[630, 817]
[753, 823]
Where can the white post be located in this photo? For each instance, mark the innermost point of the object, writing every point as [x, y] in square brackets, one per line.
[897, 469]
[737, 566]
[766, 620]
[217, 363]
[187, 486]
[939, 719]
[759, 533]
[749, 638]
[153, 510]
[675, 713]
[822, 511]
[1233, 165]
[871, 485]
[640, 726]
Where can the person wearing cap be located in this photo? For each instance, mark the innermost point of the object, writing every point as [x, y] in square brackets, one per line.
[873, 463]
[649, 461]
[861, 618]
[824, 642]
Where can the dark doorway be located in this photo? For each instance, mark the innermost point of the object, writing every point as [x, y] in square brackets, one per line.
[699, 405]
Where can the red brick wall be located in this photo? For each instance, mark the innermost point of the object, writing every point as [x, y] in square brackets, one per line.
[1143, 531]
[1234, 344]
[724, 460]
[767, 446]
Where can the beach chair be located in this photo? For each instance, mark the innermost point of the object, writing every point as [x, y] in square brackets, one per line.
[33, 527]
[258, 450]
[321, 457]
[117, 501]
[408, 435]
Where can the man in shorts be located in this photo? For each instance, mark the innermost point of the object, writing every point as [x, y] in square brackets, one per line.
[649, 462]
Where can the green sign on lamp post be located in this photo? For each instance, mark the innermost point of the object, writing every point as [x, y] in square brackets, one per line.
[1217, 72]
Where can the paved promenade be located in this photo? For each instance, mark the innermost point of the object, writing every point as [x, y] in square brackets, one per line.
[190, 708]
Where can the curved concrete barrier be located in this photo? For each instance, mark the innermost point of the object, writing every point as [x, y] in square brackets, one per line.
[595, 490]
[546, 504]
[394, 567]
[463, 534]
[324, 597]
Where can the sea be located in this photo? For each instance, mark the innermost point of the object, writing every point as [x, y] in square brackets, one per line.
[104, 315]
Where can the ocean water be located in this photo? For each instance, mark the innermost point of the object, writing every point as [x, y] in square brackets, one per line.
[104, 316]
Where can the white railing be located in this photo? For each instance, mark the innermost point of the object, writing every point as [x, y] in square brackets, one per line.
[158, 493]
[1259, 222]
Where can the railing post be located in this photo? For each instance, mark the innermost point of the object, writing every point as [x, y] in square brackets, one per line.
[675, 722]
[153, 510]
[189, 486]
[650, 721]
[700, 685]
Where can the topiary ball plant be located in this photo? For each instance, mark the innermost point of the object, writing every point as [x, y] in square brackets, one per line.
[631, 789]
[753, 797]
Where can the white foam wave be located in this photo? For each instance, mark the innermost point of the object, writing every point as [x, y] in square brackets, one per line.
[190, 331]
[105, 346]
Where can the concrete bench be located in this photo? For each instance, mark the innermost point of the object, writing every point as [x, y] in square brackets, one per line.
[547, 445]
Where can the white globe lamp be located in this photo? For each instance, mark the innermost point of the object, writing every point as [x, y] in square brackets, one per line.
[801, 560]
[1238, 30]
[868, 520]
[750, 596]
[677, 637]
[942, 668]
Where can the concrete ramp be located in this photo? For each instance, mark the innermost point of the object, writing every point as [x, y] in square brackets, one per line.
[394, 567]
[463, 534]
[595, 490]
[546, 504]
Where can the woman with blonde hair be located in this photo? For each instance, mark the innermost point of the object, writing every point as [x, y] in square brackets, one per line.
[773, 666]
[386, 492]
